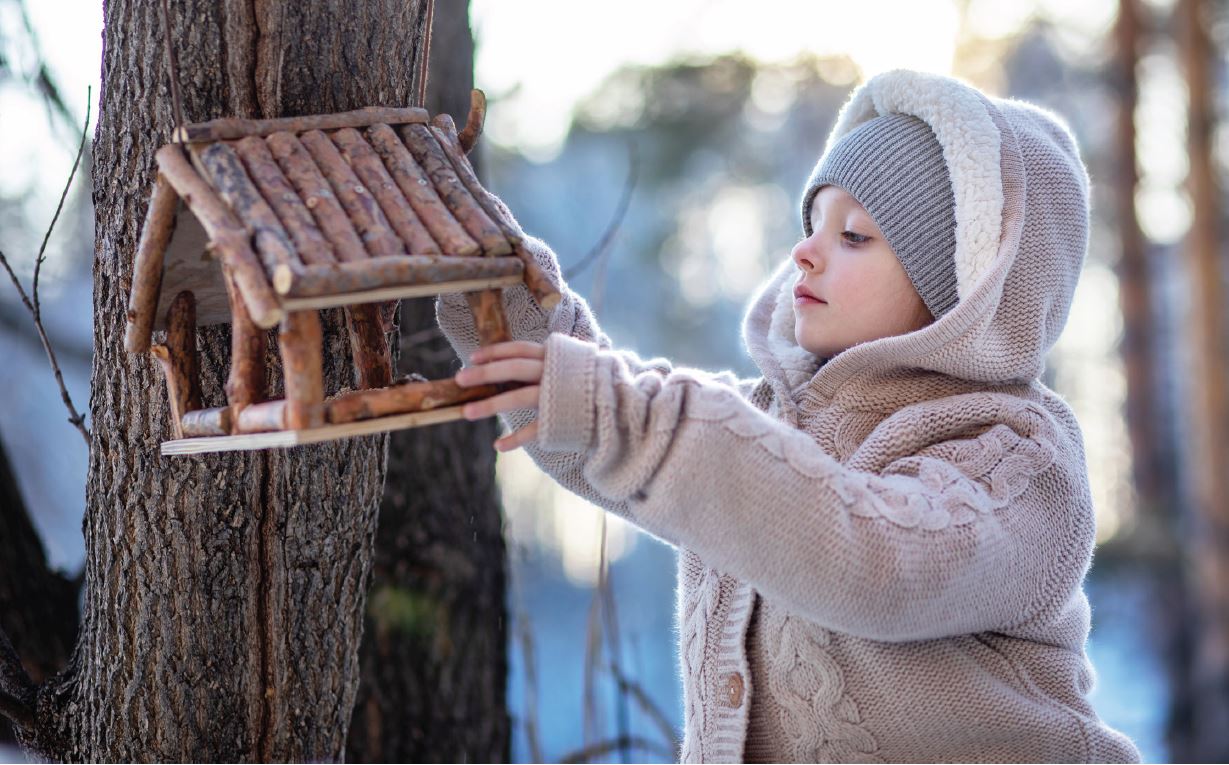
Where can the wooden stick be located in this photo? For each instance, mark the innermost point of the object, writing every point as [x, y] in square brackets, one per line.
[371, 172]
[223, 166]
[230, 128]
[488, 309]
[217, 421]
[147, 269]
[390, 270]
[317, 196]
[311, 244]
[178, 359]
[474, 120]
[373, 365]
[301, 342]
[416, 185]
[404, 397]
[460, 202]
[536, 280]
[228, 237]
[373, 228]
[259, 418]
[248, 379]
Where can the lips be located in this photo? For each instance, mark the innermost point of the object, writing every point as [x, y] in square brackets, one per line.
[805, 296]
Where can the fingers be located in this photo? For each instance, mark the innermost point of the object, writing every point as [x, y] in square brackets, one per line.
[521, 398]
[508, 370]
[510, 349]
[518, 439]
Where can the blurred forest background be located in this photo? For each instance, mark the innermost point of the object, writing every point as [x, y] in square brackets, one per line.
[660, 149]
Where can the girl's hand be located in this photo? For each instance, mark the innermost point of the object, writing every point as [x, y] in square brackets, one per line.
[517, 361]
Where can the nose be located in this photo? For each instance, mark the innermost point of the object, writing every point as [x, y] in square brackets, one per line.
[808, 255]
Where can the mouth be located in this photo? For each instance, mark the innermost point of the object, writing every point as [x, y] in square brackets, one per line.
[803, 296]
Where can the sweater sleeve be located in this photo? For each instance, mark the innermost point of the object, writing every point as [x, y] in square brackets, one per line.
[572, 317]
[968, 534]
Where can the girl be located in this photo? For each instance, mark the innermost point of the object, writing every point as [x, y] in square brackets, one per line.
[882, 540]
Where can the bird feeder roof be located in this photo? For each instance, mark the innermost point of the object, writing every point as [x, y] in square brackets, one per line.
[318, 211]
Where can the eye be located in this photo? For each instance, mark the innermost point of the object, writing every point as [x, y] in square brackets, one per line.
[854, 238]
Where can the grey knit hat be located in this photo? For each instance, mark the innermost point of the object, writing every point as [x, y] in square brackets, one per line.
[893, 165]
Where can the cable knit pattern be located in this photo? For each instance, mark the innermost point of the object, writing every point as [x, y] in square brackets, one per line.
[881, 554]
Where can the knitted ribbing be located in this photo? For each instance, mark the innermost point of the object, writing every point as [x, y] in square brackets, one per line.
[894, 167]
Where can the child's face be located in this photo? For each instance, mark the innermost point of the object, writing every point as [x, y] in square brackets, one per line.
[862, 289]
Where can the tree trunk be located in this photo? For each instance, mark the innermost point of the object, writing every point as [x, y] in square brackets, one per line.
[224, 592]
[1208, 573]
[433, 657]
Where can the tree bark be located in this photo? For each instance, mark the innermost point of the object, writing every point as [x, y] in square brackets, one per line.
[225, 593]
[433, 657]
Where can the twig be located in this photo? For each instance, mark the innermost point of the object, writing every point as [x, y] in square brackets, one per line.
[603, 244]
[590, 753]
[524, 635]
[605, 591]
[31, 301]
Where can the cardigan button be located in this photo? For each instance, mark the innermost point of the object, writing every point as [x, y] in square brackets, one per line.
[734, 689]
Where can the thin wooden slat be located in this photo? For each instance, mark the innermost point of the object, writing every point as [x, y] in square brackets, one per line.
[231, 128]
[221, 164]
[287, 438]
[373, 228]
[372, 173]
[536, 280]
[226, 235]
[460, 202]
[418, 189]
[147, 268]
[387, 271]
[313, 247]
[317, 195]
[396, 293]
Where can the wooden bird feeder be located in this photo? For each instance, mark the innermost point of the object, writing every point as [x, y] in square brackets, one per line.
[262, 223]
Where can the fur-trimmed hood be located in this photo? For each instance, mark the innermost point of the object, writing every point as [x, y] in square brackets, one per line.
[1021, 194]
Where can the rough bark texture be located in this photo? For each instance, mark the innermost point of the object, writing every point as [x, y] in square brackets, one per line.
[224, 593]
[433, 656]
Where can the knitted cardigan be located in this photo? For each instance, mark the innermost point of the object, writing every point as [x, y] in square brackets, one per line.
[908, 523]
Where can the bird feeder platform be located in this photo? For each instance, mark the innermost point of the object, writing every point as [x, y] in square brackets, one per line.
[263, 223]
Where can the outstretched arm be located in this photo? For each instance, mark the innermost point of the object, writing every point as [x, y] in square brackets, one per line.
[971, 533]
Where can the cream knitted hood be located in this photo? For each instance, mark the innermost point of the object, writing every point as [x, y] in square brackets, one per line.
[1021, 196]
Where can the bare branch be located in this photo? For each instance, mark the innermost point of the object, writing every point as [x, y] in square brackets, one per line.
[633, 172]
[31, 300]
[590, 753]
[38, 262]
[646, 704]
